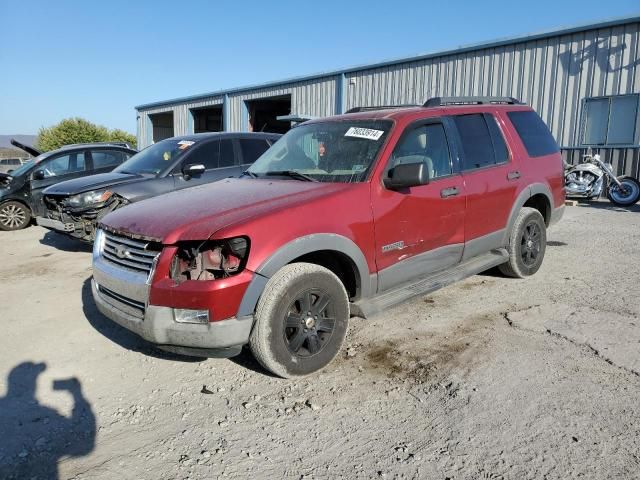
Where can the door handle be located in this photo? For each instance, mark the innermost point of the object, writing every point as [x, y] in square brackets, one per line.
[449, 192]
[513, 175]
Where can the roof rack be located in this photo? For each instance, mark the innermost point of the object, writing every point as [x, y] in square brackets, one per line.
[440, 101]
[118, 144]
[379, 107]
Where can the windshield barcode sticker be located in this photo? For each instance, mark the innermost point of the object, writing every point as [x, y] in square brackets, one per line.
[368, 133]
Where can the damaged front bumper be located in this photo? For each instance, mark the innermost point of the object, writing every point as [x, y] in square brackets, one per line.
[77, 223]
[122, 296]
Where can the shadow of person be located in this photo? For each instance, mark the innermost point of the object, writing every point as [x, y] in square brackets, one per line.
[120, 335]
[35, 437]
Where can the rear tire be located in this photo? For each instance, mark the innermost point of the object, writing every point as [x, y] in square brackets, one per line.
[301, 320]
[14, 216]
[624, 198]
[527, 244]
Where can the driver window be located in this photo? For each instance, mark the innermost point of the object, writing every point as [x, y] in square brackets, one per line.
[425, 144]
[63, 165]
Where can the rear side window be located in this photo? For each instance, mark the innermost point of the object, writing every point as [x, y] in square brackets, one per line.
[482, 142]
[533, 132]
[252, 149]
[107, 158]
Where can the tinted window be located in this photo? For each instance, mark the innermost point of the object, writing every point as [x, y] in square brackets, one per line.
[533, 132]
[107, 158]
[499, 147]
[476, 141]
[207, 154]
[252, 149]
[227, 158]
[426, 144]
[63, 165]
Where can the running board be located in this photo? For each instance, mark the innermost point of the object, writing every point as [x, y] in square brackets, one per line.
[425, 285]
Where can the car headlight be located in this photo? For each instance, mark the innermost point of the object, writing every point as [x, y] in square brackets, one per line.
[89, 198]
[209, 260]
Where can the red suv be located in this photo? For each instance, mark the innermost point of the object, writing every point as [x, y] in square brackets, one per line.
[346, 215]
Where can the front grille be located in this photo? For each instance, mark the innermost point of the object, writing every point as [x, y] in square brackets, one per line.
[136, 255]
[134, 307]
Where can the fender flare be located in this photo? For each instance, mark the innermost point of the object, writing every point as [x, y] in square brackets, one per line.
[301, 246]
[526, 194]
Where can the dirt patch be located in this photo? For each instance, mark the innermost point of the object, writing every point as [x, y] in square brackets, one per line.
[428, 358]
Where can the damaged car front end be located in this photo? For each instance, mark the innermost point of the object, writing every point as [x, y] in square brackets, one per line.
[148, 287]
[79, 214]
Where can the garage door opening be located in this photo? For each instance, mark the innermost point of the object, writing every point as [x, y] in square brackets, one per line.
[207, 119]
[263, 113]
[162, 125]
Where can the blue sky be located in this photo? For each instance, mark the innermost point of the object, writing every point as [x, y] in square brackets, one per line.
[98, 59]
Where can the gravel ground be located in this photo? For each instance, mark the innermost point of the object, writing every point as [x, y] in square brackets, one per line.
[487, 379]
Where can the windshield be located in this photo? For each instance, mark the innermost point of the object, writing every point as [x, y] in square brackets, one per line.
[22, 169]
[156, 158]
[338, 151]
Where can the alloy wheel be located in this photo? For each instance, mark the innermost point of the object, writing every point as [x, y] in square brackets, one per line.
[12, 216]
[309, 323]
[531, 244]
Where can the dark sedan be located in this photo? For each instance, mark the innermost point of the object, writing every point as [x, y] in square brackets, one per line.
[21, 190]
[75, 207]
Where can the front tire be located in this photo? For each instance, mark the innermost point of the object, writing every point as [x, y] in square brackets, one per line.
[527, 244]
[301, 320]
[625, 196]
[14, 216]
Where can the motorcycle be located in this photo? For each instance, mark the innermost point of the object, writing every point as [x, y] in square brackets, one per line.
[593, 176]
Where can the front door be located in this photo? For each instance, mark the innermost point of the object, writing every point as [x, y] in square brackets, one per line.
[219, 158]
[421, 230]
[56, 169]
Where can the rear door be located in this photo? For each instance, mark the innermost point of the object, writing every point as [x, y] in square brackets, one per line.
[103, 161]
[420, 230]
[491, 179]
[56, 169]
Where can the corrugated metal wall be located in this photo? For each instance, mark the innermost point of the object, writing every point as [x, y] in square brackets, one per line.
[553, 74]
[315, 98]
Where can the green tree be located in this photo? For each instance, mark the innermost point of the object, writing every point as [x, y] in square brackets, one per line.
[79, 130]
[117, 135]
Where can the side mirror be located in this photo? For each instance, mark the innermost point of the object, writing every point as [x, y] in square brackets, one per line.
[39, 175]
[407, 175]
[193, 169]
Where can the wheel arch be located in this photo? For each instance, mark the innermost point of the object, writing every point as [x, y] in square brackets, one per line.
[17, 200]
[335, 252]
[538, 196]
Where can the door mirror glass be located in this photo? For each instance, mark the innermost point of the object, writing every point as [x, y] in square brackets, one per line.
[193, 169]
[407, 175]
[39, 175]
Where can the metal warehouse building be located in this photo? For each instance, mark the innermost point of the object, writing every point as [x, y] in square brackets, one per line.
[584, 81]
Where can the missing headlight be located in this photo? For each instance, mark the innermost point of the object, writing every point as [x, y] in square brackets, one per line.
[209, 260]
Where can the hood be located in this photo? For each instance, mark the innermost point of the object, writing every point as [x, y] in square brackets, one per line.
[197, 213]
[30, 150]
[92, 182]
